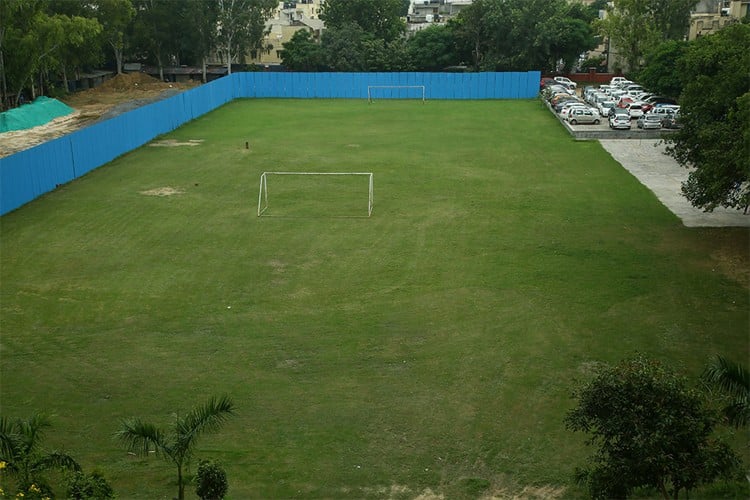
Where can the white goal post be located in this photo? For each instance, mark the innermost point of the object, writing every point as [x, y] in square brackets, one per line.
[263, 190]
[420, 90]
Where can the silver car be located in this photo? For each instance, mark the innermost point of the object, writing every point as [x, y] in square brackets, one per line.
[649, 121]
[582, 115]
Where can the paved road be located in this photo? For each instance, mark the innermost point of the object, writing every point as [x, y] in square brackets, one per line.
[645, 159]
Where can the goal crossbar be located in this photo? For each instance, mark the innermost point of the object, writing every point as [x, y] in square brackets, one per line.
[263, 189]
[370, 87]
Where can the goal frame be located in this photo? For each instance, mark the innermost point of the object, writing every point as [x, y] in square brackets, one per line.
[263, 189]
[370, 87]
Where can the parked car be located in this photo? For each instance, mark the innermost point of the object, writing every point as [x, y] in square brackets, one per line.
[619, 120]
[566, 81]
[635, 111]
[671, 121]
[662, 111]
[649, 121]
[624, 102]
[583, 115]
[615, 81]
[605, 106]
[569, 105]
[561, 103]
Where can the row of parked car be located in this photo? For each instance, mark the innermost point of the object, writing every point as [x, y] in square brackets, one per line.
[619, 102]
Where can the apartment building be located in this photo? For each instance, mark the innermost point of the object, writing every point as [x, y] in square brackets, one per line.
[710, 16]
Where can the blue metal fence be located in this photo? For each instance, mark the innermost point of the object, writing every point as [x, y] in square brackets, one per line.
[29, 174]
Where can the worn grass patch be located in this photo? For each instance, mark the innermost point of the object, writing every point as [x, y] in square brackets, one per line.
[432, 346]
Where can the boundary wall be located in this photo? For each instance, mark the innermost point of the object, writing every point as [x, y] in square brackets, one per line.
[29, 174]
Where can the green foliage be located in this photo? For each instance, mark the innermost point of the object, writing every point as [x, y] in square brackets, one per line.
[302, 53]
[660, 74]
[211, 481]
[93, 486]
[433, 48]
[715, 113]
[650, 430]
[520, 35]
[733, 379]
[379, 18]
[637, 26]
[21, 451]
[177, 444]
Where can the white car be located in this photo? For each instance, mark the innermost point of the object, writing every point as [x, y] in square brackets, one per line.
[605, 106]
[635, 110]
[566, 81]
[615, 81]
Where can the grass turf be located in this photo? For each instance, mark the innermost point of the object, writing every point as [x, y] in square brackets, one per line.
[432, 346]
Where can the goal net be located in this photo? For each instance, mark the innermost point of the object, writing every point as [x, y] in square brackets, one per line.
[315, 194]
[395, 92]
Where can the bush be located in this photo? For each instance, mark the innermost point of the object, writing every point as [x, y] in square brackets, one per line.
[85, 486]
[211, 481]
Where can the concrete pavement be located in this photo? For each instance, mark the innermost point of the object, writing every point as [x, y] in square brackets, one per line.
[645, 159]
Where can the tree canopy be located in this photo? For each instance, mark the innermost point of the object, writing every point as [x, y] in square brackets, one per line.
[650, 431]
[715, 113]
[636, 26]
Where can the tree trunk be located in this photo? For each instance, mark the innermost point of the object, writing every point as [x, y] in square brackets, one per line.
[65, 79]
[205, 79]
[180, 486]
[4, 84]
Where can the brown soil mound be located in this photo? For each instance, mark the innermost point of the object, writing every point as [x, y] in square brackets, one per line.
[129, 81]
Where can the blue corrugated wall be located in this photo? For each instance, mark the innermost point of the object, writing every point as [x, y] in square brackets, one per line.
[29, 174]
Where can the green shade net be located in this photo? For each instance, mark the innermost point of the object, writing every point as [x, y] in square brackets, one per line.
[39, 112]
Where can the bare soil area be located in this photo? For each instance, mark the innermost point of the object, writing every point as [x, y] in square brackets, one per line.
[116, 95]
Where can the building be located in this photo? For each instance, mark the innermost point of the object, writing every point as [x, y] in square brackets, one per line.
[710, 16]
[423, 13]
[289, 18]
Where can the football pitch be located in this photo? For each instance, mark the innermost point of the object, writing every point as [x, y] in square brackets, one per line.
[428, 348]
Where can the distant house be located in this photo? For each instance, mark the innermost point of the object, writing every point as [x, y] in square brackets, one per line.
[710, 16]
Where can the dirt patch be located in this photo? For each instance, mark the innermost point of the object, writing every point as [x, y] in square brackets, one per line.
[118, 94]
[173, 143]
[529, 493]
[162, 191]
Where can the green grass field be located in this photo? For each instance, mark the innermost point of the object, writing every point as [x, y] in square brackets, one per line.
[433, 345]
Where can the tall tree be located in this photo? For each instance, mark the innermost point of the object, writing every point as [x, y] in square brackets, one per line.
[21, 450]
[433, 48]
[650, 429]
[199, 23]
[380, 18]
[636, 26]
[659, 73]
[157, 31]
[242, 27]
[302, 53]
[715, 139]
[178, 443]
[518, 35]
[115, 16]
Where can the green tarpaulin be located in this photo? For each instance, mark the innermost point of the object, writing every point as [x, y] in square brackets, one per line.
[39, 112]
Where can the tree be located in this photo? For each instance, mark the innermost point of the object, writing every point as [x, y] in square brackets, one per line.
[211, 481]
[177, 444]
[115, 17]
[715, 113]
[733, 380]
[302, 53]
[199, 24]
[21, 450]
[519, 35]
[659, 73]
[433, 48]
[636, 26]
[650, 430]
[380, 18]
[242, 26]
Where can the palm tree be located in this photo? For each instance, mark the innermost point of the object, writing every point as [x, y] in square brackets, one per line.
[178, 443]
[20, 449]
[734, 380]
